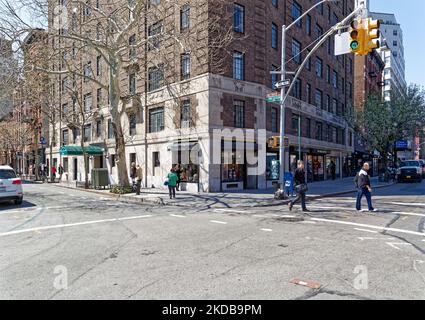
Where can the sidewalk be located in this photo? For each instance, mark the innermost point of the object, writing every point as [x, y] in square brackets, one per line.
[246, 199]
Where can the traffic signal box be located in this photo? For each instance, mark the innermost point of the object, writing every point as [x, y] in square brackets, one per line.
[364, 36]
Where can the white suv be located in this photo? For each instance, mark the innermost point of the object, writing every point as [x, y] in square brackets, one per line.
[10, 185]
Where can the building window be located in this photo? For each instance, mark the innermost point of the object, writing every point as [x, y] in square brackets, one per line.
[185, 66]
[75, 134]
[156, 78]
[319, 31]
[308, 128]
[296, 51]
[98, 65]
[318, 99]
[87, 100]
[308, 24]
[308, 93]
[395, 43]
[156, 120]
[297, 89]
[65, 109]
[308, 64]
[185, 121]
[395, 33]
[132, 46]
[99, 97]
[295, 121]
[328, 103]
[154, 32]
[132, 83]
[99, 128]
[239, 113]
[319, 131]
[185, 17]
[132, 124]
[335, 79]
[87, 72]
[334, 106]
[275, 3]
[238, 18]
[238, 66]
[110, 129]
[155, 160]
[296, 12]
[275, 34]
[319, 67]
[65, 137]
[87, 133]
[113, 163]
[275, 120]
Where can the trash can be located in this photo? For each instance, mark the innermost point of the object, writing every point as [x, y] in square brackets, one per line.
[100, 178]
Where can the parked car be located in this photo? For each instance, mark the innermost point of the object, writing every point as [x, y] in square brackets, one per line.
[423, 167]
[10, 186]
[410, 170]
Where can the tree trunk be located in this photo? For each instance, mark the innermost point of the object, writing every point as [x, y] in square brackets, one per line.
[114, 96]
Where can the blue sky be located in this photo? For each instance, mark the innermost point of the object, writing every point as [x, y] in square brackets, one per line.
[410, 15]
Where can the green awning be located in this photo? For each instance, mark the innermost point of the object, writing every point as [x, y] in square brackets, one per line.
[78, 151]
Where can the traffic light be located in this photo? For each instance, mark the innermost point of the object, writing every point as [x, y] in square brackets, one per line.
[372, 35]
[357, 37]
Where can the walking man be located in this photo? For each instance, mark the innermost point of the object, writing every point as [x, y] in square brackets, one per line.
[172, 183]
[139, 177]
[300, 187]
[364, 188]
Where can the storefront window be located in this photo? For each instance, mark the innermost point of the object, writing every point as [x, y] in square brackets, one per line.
[233, 168]
[186, 156]
[273, 167]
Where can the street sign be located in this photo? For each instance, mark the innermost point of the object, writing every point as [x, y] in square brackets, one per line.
[43, 141]
[402, 145]
[342, 43]
[281, 84]
[273, 97]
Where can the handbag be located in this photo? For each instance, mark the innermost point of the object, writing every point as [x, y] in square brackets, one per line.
[166, 182]
[301, 188]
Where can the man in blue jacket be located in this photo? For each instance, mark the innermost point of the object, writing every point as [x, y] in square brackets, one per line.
[364, 188]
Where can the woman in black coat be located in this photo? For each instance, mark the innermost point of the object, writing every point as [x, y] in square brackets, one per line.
[300, 187]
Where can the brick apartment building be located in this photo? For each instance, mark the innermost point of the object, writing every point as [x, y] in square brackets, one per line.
[227, 97]
[368, 80]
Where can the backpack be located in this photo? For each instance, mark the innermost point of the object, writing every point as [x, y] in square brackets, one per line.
[356, 179]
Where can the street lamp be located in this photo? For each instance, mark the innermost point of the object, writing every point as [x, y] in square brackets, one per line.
[283, 93]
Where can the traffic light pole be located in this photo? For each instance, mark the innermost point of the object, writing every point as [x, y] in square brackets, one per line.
[282, 114]
[361, 7]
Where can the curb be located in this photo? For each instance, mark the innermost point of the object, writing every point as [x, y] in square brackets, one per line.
[160, 201]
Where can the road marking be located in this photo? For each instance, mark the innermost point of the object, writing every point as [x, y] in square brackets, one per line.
[370, 226]
[407, 204]
[230, 210]
[365, 230]
[395, 244]
[177, 216]
[59, 226]
[378, 212]
[266, 230]
[219, 222]
[368, 238]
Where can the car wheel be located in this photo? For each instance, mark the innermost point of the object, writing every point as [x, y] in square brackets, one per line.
[19, 201]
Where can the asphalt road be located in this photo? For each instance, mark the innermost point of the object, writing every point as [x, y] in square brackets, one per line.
[69, 244]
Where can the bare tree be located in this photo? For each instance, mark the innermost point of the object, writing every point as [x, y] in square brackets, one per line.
[127, 36]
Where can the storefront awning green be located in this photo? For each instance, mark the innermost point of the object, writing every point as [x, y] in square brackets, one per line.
[78, 151]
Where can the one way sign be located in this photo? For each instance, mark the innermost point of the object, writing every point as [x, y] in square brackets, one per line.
[281, 84]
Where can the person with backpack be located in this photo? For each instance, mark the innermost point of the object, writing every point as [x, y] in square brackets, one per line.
[172, 183]
[364, 188]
